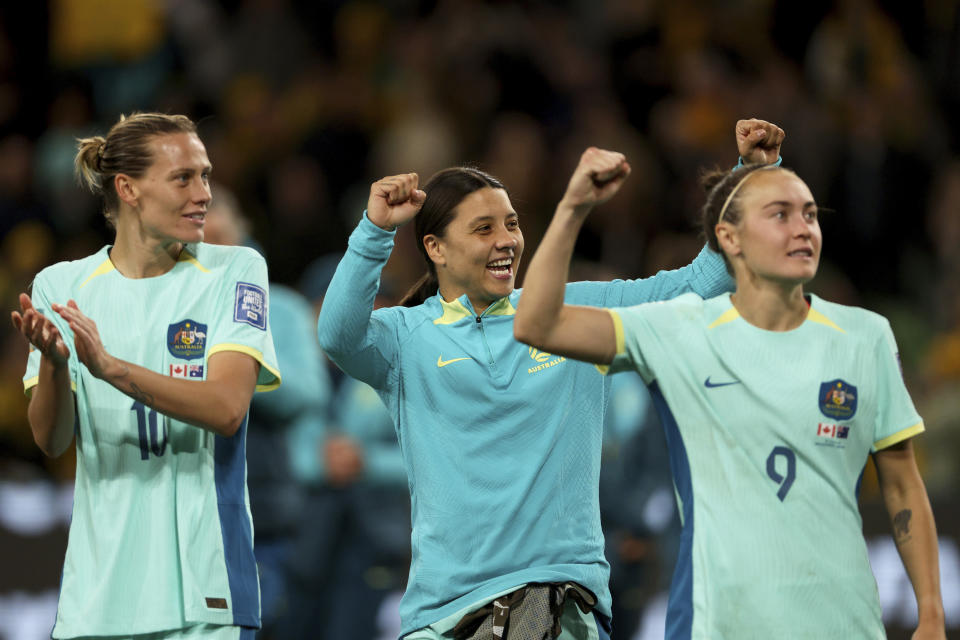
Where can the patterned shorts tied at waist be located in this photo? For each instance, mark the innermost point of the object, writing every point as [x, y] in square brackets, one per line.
[529, 613]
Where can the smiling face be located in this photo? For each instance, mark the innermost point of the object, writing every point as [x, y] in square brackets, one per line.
[170, 199]
[778, 238]
[480, 249]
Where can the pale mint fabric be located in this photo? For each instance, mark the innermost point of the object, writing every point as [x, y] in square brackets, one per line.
[161, 535]
[768, 435]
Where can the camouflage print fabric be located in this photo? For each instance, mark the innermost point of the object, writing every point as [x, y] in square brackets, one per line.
[530, 613]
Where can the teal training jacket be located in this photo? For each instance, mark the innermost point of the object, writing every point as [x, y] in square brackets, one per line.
[501, 442]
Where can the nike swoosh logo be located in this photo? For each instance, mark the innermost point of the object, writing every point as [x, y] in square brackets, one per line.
[442, 363]
[714, 385]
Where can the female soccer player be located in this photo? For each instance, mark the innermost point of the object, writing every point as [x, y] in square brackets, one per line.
[501, 443]
[772, 401]
[148, 352]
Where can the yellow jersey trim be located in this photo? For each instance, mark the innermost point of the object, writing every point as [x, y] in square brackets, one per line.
[186, 256]
[502, 307]
[253, 353]
[105, 267]
[30, 383]
[813, 315]
[899, 436]
[456, 310]
[729, 315]
[819, 318]
[618, 336]
[452, 312]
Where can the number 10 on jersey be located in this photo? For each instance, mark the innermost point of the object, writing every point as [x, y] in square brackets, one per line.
[152, 439]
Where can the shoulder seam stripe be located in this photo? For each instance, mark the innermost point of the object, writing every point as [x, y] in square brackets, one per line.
[104, 267]
[819, 318]
[729, 315]
[186, 256]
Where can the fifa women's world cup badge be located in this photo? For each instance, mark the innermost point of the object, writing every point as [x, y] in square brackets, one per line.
[838, 399]
[187, 339]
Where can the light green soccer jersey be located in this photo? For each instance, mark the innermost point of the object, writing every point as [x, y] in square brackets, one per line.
[161, 535]
[769, 433]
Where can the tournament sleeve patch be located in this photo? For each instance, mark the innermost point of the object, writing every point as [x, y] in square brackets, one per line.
[250, 305]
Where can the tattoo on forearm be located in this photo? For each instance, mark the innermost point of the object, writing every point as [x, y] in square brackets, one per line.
[901, 526]
[142, 396]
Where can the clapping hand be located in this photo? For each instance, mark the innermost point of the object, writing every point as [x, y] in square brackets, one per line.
[40, 331]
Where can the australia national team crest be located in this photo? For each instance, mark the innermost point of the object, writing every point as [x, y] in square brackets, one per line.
[187, 339]
[250, 306]
[838, 399]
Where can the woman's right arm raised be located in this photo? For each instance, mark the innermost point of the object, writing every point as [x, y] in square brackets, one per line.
[51, 412]
[394, 200]
[344, 328]
[543, 320]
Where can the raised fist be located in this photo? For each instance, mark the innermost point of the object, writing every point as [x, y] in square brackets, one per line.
[394, 200]
[758, 141]
[597, 177]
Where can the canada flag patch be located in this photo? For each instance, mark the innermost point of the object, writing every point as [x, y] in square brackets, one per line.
[188, 371]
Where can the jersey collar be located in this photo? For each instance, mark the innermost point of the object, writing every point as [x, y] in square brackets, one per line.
[813, 315]
[461, 308]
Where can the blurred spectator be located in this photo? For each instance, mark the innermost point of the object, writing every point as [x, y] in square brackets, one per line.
[276, 498]
[18, 200]
[304, 103]
[126, 67]
[268, 40]
[353, 546]
[640, 521]
[69, 119]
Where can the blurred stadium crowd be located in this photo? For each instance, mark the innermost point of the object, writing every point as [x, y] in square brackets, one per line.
[303, 103]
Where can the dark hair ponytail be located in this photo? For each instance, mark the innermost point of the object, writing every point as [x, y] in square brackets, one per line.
[422, 289]
[445, 191]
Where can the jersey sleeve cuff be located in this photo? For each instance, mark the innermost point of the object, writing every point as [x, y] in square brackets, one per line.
[618, 335]
[30, 383]
[714, 278]
[267, 382]
[899, 436]
[740, 162]
[371, 241]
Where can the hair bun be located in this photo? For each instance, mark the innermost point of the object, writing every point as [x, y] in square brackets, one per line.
[712, 177]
